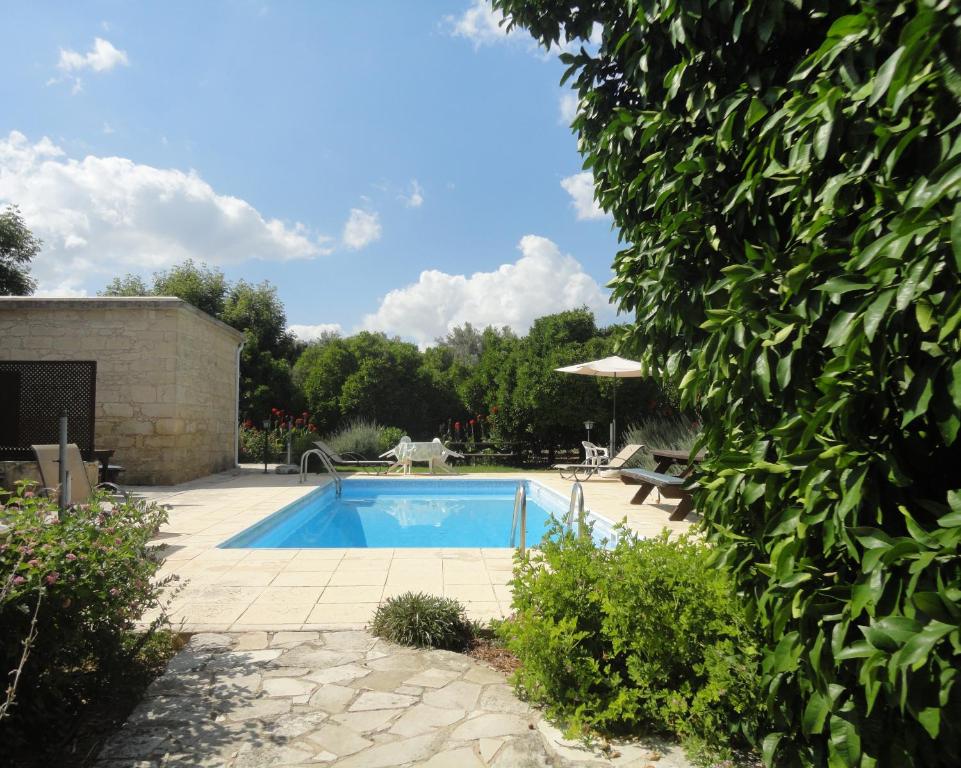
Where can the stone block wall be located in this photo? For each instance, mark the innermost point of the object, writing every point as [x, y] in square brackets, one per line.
[166, 377]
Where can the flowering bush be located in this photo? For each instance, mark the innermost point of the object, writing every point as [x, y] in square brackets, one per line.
[72, 587]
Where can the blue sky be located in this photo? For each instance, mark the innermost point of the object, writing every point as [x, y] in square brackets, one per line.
[396, 166]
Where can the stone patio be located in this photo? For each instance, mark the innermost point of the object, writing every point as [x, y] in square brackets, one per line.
[343, 698]
[321, 589]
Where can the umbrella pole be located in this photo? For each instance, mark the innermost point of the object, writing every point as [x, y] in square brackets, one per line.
[613, 435]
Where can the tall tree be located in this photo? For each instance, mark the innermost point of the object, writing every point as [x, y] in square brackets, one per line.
[786, 176]
[18, 247]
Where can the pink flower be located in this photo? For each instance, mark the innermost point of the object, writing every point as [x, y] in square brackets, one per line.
[71, 556]
[114, 592]
[52, 577]
[33, 563]
[19, 580]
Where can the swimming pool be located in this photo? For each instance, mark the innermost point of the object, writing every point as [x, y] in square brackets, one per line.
[409, 513]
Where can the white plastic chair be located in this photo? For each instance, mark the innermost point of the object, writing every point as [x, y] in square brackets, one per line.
[595, 454]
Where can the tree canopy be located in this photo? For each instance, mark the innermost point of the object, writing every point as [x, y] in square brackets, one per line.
[18, 247]
[785, 177]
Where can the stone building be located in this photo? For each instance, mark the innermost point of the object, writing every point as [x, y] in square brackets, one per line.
[167, 381]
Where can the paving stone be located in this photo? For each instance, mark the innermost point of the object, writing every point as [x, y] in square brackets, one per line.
[488, 748]
[252, 641]
[349, 640]
[377, 700]
[136, 743]
[433, 678]
[367, 722]
[254, 708]
[384, 681]
[500, 698]
[287, 686]
[315, 658]
[454, 758]
[483, 675]
[459, 695]
[413, 662]
[239, 659]
[341, 674]
[286, 754]
[489, 726]
[296, 724]
[338, 739]
[207, 641]
[409, 690]
[392, 754]
[528, 752]
[424, 718]
[233, 684]
[172, 710]
[286, 672]
[332, 698]
[291, 639]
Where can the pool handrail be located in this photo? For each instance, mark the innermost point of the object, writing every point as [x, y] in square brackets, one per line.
[520, 516]
[325, 460]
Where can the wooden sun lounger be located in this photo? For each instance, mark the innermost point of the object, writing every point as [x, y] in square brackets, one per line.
[670, 487]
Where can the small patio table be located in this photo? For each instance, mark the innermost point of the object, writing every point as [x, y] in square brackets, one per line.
[667, 459]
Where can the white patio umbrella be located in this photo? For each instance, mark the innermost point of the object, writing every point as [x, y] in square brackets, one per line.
[613, 367]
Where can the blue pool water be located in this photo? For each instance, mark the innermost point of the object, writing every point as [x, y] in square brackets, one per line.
[408, 513]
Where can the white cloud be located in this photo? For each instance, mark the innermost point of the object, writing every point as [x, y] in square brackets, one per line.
[314, 332]
[362, 228]
[542, 281]
[480, 24]
[568, 107]
[101, 58]
[416, 197]
[580, 187]
[103, 216]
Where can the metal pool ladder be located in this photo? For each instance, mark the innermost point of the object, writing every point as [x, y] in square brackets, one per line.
[520, 517]
[325, 460]
[576, 509]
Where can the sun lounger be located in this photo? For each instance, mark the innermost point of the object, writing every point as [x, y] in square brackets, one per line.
[349, 459]
[598, 464]
[669, 486]
[48, 460]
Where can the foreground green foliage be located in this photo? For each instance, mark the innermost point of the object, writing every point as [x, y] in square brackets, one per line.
[787, 177]
[424, 621]
[72, 587]
[644, 637]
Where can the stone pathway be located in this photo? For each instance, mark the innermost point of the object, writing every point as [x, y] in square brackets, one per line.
[347, 699]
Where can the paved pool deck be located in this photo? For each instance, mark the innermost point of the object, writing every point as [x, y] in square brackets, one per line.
[249, 590]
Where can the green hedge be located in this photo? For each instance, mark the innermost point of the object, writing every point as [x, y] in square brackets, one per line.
[647, 636]
[786, 176]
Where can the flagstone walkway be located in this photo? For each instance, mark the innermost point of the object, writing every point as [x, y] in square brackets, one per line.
[343, 698]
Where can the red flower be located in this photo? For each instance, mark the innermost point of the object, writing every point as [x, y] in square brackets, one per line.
[457, 426]
[471, 422]
[312, 427]
[274, 411]
[248, 423]
[52, 577]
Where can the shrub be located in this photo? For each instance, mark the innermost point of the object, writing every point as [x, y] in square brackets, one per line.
[422, 620]
[252, 444]
[389, 437]
[72, 585]
[786, 179]
[361, 436]
[646, 636]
